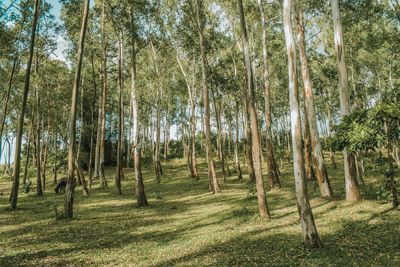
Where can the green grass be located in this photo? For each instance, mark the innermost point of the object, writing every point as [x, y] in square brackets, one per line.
[187, 225]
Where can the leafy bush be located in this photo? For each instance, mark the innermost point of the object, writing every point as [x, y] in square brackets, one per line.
[27, 186]
[54, 210]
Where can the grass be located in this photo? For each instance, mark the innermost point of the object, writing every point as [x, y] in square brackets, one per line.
[187, 225]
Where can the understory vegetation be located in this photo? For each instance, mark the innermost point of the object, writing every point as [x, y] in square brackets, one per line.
[186, 225]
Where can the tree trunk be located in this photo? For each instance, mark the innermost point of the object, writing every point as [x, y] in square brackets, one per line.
[39, 189]
[118, 175]
[237, 159]
[192, 99]
[310, 116]
[81, 177]
[255, 138]
[309, 170]
[352, 187]
[28, 151]
[45, 155]
[219, 136]
[69, 190]
[248, 147]
[309, 230]
[331, 124]
[207, 121]
[103, 181]
[273, 173]
[55, 156]
[157, 161]
[20, 125]
[6, 100]
[78, 153]
[92, 130]
[135, 137]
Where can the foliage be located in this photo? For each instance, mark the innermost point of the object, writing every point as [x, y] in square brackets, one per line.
[367, 129]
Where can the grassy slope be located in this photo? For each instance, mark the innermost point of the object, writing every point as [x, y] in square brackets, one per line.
[187, 225]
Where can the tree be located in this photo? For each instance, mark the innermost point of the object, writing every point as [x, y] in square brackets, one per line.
[256, 148]
[200, 23]
[351, 184]
[272, 166]
[69, 190]
[135, 136]
[20, 126]
[309, 230]
[310, 118]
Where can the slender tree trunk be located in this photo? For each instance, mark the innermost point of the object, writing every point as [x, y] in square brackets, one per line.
[217, 108]
[331, 125]
[135, 137]
[6, 100]
[192, 99]
[118, 175]
[20, 125]
[39, 189]
[69, 190]
[207, 121]
[248, 146]
[98, 134]
[309, 230]
[103, 181]
[45, 155]
[92, 130]
[55, 156]
[273, 173]
[351, 184]
[78, 153]
[28, 152]
[237, 159]
[318, 159]
[81, 177]
[255, 138]
[157, 161]
[309, 170]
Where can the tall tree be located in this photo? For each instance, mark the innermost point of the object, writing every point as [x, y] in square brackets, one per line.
[190, 84]
[135, 136]
[20, 126]
[118, 175]
[102, 140]
[157, 163]
[200, 23]
[273, 173]
[69, 190]
[310, 118]
[256, 147]
[351, 184]
[39, 190]
[309, 230]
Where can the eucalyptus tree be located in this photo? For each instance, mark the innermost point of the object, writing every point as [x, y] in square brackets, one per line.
[159, 95]
[69, 190]
[200, 21]
[310, 116]
[190, 80]
[135, 136]
[309, 230]
[20, 126]
[351, 183]
[272, 166]
[256, 150]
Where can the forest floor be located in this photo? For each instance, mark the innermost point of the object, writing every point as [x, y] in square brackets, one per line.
[187, 225]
